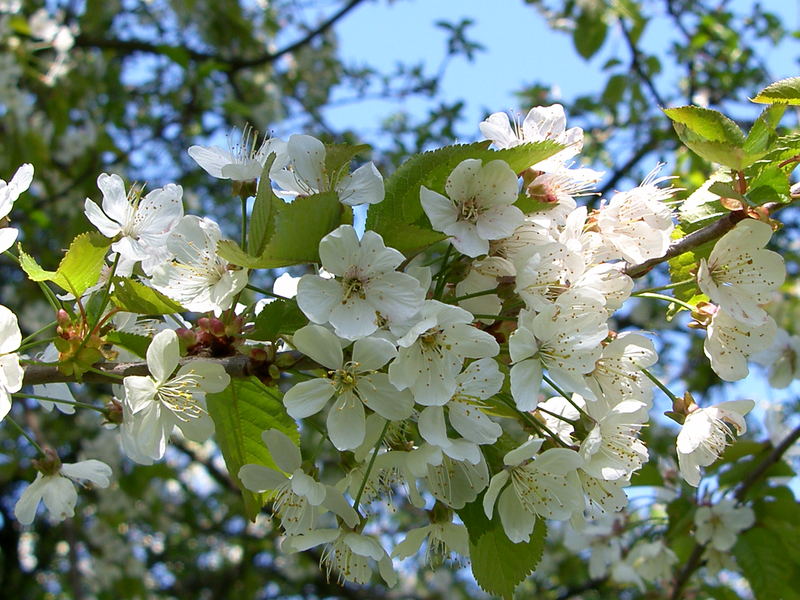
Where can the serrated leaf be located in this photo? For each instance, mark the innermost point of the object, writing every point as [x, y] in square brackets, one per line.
[132, 296]
[401, 207]
[240, 413]
[762, 134]
[280, 317]
[498, 564]
[299, 227]
[785, 91]
[710, 125]
[766, 564]
[79, 269]
[703, 205]
[261, 225]
[589, 34]
[132, 342]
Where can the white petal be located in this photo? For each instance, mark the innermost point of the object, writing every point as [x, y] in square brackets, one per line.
[372, 353]
[320, 345]
[92, 470]
[517, 522]
[432, 426]
[163, 355]
[362, 186]
[346, 422]
[308, 397]
[258, 478]
[282, 450]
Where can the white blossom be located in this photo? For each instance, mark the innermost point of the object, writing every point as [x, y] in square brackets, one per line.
[719, 524]
[740, 274]
[366, 291]
[11, 372]
[478, 206]
[162, 401]
[706, 433]
[443, 538]
[243, 160]
[782, 359]
[9, 192]
[729, 342]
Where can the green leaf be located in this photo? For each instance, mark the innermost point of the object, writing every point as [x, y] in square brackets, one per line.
[785, 91]
[703, 206]
[135, 297]
[647, 475]
[768, 567]
[79, 269]
[763, 133]
[338, 156]
[137, 344]
[261, 226]
[498, 564]
[589, 34]
[299, 227]
[400, 218]
[277, 318]
[240, 413]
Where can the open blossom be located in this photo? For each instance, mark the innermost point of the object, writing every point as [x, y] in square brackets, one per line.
[354, 384]
[140, 225]
[720, 523]
[706, 433]
[534, 484]
[434, 348]
[243, 160]
[366, 290]
[782, 359]
[11, 372]
[443, 538]
[740, 274]
[618, 371]
[197, 277]
[637, 223]
[478, 206]
[298, 497]
[9, 192]
[302, 171]
[730, 342]
[162, 401]
[57, 490]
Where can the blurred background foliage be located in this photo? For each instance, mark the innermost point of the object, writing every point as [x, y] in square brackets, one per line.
[126, 86]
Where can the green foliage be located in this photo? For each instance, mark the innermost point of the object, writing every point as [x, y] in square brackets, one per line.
[785, 91]
[241, 413]
[768, 565]
[338, 156]
[400, 218]
[498, 564]
[79, 269]
[132, 296]
[590, 33]
[137, 344]
[261, 226]
[280, 317]
[297, 229]
[684, 268]
[703, 206]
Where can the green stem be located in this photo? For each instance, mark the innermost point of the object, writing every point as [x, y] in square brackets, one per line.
[660, 385]
[105, 373]
[555, 415]
[60, 401]
[440, 276]
[671, 299]
[495, 317]
[665, 287]
[27, 436]
[540, 427]
[357, 499]
[567, 397]
[109, 281]
[263, 291]
[34, 343]
[244, 222]
[473, 295]
[35, 333]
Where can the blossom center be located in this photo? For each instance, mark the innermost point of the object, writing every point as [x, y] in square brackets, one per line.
[177, 395]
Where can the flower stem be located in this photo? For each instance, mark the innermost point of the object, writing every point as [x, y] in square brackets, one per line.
[660, 385]
[263, 291]
[33, 343]
[440, 276]
[25, 434]
[35, 333]
[60, 401]
[473, 295]
[495, 317]
[357, 499]
[671, 299]
[540, 427]
[665, 287]
[567, 397]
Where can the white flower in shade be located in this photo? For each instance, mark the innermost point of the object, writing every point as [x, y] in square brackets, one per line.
[740, 274]
[366, 291]
[243, 160]
[637, 223]
[782, 359]
[647, 562]
[612, 449]
[433, 350]
[618, 371]
[303, 172]
[354, 384]
[443, 538]
[9, 192]
[541, 123]
[729, 343]
[478, 206]
[559, 415]
[534, 484]
[197, 277]
[706, 433]
[456, 483]
[562, 338]
[482, 379]
[140, 225]
[603, 495]
[719, 524]
[163, 401]
[477, 281]
[298, 497]
[347, 554]
[11, 372]
[57, 490]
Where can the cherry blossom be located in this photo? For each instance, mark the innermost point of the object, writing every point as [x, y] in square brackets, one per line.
[730, 342]
[719, 524]
[243, 160]
[11, 372]
[9, 192]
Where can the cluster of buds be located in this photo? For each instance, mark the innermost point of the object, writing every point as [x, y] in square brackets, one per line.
[79, 345]
[213, 337]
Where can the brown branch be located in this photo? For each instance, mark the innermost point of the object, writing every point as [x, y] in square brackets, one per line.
[693, 562]
[697, 238]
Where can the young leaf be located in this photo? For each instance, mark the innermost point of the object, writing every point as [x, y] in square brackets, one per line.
[261, 226]
[137, 344]
[703, 205]
[240, 413]
[785, 91]
[135, 297]
[340, 155]
[498, 564]
[763, 133]
[276, 318]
